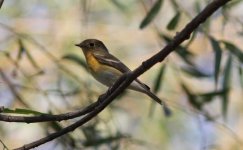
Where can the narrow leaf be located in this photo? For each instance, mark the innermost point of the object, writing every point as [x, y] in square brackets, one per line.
[75, 59]
[241, 75]
[207, 97]
[226, 84]
[195, 72]
[119, 5]
[1, 3]
[156, 88]
[174, 21]
[182, 51]
[151, 14]
[22, 49]
[32, 60]
[218, 56]
[234, 50]
[106, 140]
[22, 111]
[158, 79]
[192, 98]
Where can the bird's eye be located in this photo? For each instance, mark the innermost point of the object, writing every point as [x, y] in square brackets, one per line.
[91, 44]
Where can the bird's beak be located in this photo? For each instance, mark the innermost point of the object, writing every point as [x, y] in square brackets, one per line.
[81, 45]
[78, 45]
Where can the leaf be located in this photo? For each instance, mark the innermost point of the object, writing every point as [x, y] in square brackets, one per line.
[32, 61]
[151, 14]
[226, 84]
[22, 49]
[192, 98]
[118, 4]
[174, 21]
[22, 111]
[207, 97]
[194, 72]
[75, 59]
[218, 56]
[106, 140]
[234, 50]
[181, 50]
[1, 3]
[197, 7]
[241, 75]
[55, 126]
[156, 88]
[158, 79]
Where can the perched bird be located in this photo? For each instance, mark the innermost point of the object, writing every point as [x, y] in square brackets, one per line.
[106, 68]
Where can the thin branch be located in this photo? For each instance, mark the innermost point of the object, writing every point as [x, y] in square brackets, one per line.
[126, 79]
[48, 117]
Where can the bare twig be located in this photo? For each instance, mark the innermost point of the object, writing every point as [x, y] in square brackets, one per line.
[126, 79]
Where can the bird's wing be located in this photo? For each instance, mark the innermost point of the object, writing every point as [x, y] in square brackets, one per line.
[112, 61]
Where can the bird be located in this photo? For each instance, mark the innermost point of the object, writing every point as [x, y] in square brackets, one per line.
[107, 69]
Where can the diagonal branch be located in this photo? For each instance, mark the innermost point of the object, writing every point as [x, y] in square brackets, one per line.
[126, 79]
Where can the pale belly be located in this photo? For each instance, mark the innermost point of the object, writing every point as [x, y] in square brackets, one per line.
[108, 78]
[105, 77]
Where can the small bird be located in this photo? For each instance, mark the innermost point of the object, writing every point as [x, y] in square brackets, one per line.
[106, 68]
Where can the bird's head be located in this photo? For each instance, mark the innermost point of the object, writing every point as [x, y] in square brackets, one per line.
[92, 45]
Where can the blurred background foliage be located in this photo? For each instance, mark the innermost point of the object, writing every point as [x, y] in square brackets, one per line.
[42, 71]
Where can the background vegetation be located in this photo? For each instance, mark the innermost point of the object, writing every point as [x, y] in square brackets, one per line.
[42, 71]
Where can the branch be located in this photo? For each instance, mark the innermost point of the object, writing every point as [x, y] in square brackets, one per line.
[48, 117]
[126, 79]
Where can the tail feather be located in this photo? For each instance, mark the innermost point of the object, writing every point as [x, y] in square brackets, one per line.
[166, 109]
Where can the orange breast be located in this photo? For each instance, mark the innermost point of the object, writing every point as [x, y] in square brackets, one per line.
[93, 64]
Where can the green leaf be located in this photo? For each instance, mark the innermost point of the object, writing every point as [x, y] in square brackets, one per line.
[32, 61]
[192, 98]
[207, 97]
[234, 50]
[151, 14]
[197, 7]
[195, 72]
[118, 4]
[22, 49]
[181, 50]
[218, 56]
[156, 88]
[174, 21]
[75, 59]
[158, 79]
[1, 3]
[241, 75]
[226, 84]
[22, 111]
[106, 140]
[55, 126]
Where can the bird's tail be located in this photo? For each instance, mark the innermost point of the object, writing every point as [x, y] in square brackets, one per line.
[166, 109]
